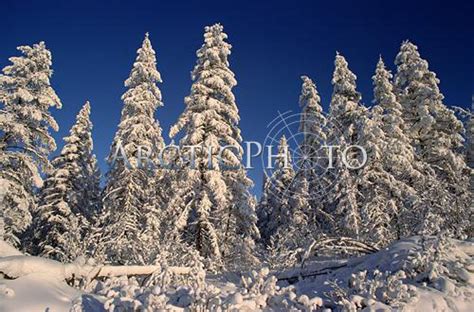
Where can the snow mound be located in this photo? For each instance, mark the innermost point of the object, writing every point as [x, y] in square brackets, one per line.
[7, 250]
[414, 274]
[18, 266]
[36, 292]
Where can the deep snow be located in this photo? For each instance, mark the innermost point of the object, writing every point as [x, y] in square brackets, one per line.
[37, 284]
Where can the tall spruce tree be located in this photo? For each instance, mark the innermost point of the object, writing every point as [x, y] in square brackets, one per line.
[375, 184]
[25, 143]
[129, 196]
[398, 156]
[284, 211]
[69, 198]
[343, 197]
[436, 135]
[345, 109]
[346, 114]
[313, 125]
[313, 121]
[213, 206]
[276, 209]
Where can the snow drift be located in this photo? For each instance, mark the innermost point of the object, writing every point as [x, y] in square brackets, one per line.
[415, 274]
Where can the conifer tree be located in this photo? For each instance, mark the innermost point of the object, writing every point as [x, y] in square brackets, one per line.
[299, 203]
[345, 109]
[214, 207]
[313, 125]
[276, 209]
[344, 195]
[94, 191]
[398, 156]
[313, 121]
[292, 229]
[436, 135]
[130, 190]
[434, 129]
[345, 118]
[25, 143]
[375, 184]
[91, 239]
[69, 197]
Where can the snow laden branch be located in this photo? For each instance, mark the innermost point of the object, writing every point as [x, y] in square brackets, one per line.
[342, 244]
[326, 245]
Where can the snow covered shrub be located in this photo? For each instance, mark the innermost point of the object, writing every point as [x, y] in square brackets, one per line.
[277, 254]
[385, 287]
[167, 288]
[261, 292]
[173, 251]
[166, 277]
[121, 296]
[367, 289]
[132, 297]
[429, 263]
[259, 286]
[440, 265]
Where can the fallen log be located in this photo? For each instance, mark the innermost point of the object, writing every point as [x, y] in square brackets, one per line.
[20, 265]
[129, 270]
[346, 244]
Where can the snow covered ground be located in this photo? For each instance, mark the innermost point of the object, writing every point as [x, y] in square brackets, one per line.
[414, 274]
[36, 292]
[442, 282]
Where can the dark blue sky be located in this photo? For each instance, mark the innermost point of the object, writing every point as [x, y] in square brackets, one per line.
[274, 43]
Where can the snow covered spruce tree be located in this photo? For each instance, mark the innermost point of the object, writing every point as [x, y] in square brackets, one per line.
[345, 115]
[398, 156]
[313, 121]
[313, 125]
[284, 211]
[69, 197]
[130, 201]
[213, 206]
[436, 135]
[299, 202]
[25, 143]
[294, 234]
[275, 210]
[345, 107]
[374, 182]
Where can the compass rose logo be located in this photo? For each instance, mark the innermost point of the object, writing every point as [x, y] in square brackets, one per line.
[314, 155]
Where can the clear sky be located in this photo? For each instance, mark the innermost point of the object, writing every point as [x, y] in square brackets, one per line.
[94, 45]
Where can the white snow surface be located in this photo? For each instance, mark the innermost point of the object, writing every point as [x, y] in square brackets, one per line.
[452, 290]
[7, 250]
[36, 292]
[38, 284]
